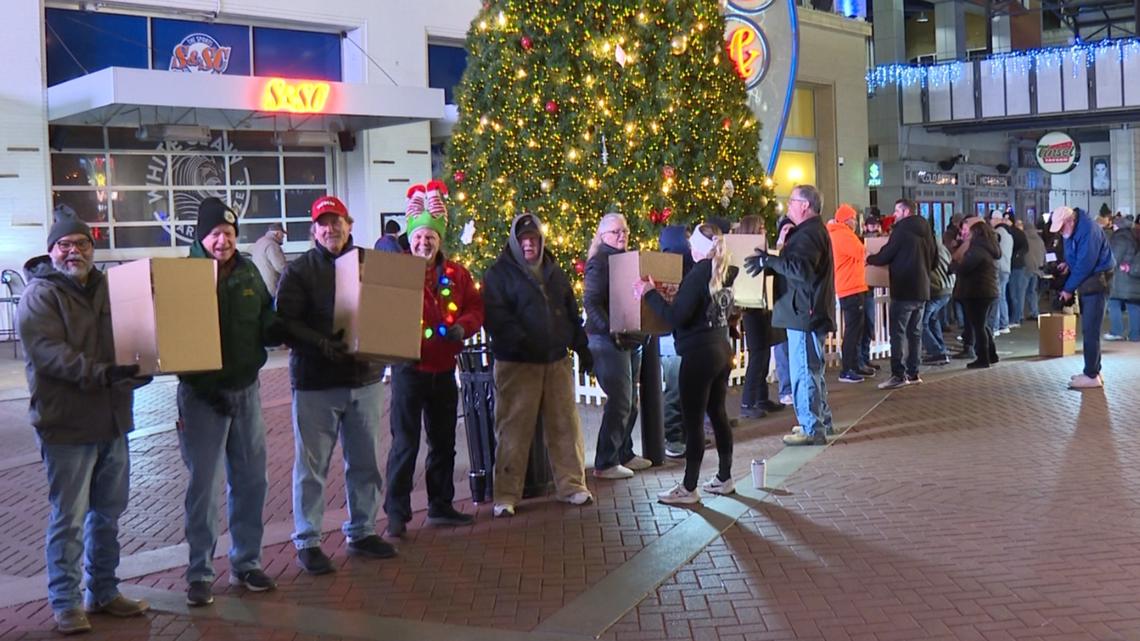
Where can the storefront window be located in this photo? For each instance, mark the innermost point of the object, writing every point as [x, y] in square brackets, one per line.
[446, 64]
[288, 53]
[196, 47]
[148, 198]
[82, 42]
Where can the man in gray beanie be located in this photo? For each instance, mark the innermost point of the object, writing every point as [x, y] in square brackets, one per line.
[81, 409]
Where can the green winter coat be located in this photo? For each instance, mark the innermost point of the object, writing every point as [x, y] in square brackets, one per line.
[248, 324]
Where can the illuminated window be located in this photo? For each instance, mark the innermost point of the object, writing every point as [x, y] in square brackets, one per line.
[801, 118]
[793, 168]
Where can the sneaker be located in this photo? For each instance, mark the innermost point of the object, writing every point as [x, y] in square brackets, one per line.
[968, 355]
[752, 412]
[717, 486]
[372, 547]
[1013, 326]
[314, 561]
[678, 495]
[1113, 337]
[73, 621]
[447, 515]
[866, 371]
[396, 529]
[875, 366]
[1085, 382]
[787, 400]
[255, 580]
[675, 450]
[638, 463]
[913, 380]
[769, 406]
[850, 377]
[504, 510]
[614, 473]
[1002, 331]
[893, 382]
[936, 360]
[579, 498]
[120, 606]
[199, 594]
[799, 438]
[978, 364]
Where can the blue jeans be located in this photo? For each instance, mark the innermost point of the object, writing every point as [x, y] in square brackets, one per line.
[780, 352]
[1018, 281]
[209, 441]
[999, 313]
[1092, 317]
[1116, 318]
[868, 327]
[906, 334]
[617, 372]
[671, 373]
[1032, 296]
[809, 389]
[319, 418]
[88, 486]
[932, 340]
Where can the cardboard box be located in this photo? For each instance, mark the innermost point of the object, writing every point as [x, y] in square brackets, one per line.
[164, 314]
[877, 276]
[1057, 334]
[380, 304]
[747, 291]
[629, 314]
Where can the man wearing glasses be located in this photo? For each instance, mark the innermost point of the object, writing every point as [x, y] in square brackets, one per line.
[805, 306]
[81, 409]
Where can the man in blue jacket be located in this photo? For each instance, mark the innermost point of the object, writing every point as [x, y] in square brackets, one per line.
[1087, 270]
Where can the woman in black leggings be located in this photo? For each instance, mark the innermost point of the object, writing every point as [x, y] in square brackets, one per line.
[699, 316]
[977, 286]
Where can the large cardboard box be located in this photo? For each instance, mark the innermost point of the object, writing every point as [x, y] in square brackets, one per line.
[747, 291]
[1057, 334]
[877, 276]
[628, 313]
[164, 313]
[380, 304]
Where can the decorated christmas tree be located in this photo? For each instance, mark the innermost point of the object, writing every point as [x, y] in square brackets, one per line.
[570, 109]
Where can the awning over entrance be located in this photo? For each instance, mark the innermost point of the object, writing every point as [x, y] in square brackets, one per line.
[122, 97]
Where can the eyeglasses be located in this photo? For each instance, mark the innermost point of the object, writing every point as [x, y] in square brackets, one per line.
[66, 245]
[617, 232]
[793, 200]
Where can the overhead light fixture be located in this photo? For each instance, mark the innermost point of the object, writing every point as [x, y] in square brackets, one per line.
[168, 133]
[305, 139]
[922, 17]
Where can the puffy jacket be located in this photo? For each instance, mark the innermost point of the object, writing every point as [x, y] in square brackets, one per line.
[1005, 244]
[270, 260]
[1035, 253]
[805, 296]
[1088, 255]
[305, 301]
[437, 354]
[68, 347]
[942, 279]
[596, 297]
[850, 259]
[1020, 247]
[529, 321]
[699, 319]
[247, 323]
[911, 255]
[977, 270]
[1125, 285]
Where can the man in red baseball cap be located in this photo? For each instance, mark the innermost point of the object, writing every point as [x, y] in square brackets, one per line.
[334, 396]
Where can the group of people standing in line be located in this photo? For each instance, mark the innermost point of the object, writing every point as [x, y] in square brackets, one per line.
[81, 400]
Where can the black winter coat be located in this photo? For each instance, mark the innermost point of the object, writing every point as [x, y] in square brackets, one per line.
[305, 301]
[1125, 286]
[699, 320]
[977, 271]
[530, 322]
[596, 298]
[1020, 247]
[807, 268]
[911, 255]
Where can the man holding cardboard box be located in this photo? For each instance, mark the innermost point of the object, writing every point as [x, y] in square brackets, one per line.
[424, 393]
[1087, 271]
[81, 409]
[219, 416]
[334, 396]
[533, 322]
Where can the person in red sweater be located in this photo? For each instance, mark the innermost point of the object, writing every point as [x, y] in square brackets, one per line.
[425, 393]
[851, 289]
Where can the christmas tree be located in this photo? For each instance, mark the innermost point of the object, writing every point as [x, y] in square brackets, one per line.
[573, 108]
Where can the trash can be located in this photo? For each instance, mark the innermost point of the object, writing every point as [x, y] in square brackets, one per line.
[477, 383]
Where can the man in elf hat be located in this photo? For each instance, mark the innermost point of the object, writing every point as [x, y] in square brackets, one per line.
[220, 416]
[335, 396]
[424, 393]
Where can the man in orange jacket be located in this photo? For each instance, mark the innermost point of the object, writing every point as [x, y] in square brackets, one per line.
[850, 288]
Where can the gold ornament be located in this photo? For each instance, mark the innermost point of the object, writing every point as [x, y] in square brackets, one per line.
[546, 184]
[680, 45]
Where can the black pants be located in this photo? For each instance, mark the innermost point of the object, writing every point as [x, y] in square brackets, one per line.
[854, 317]
[976, 311]
[757, 325]
[704, 386]
[430, 400]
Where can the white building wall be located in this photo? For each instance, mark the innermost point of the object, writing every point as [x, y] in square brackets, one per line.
[1074, 188]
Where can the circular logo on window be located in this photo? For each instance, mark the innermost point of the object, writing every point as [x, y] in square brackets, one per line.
[1057, 152]
[200, 53]
[747, 49]
[193, 175]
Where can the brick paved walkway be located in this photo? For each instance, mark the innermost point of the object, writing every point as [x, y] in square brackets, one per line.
[967, 508]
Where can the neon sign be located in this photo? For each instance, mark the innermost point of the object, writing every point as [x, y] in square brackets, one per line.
[294, 96]
[747, 49]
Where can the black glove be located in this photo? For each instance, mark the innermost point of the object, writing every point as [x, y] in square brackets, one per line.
[334, 348]
[754, 264]
[456, 333]
[585, 362]
[118, 373]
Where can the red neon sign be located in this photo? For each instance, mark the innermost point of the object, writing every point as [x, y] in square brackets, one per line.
[294, 96]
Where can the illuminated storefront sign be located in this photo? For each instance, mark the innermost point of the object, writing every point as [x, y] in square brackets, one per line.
[937, 178]
[294, 96]
[747, 48]
[993, 181]
[874, 174]
[1057, 153]
[200, 53]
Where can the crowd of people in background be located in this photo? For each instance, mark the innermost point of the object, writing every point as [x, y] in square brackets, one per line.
[981, 274]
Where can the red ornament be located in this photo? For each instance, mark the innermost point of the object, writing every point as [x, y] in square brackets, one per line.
[726, 123]
[527, 43]
[668, 171]
[551, 107]
[665, 214]
[459, 176]
[580, 266]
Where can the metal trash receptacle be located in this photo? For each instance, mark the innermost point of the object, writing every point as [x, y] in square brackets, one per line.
[477, 388]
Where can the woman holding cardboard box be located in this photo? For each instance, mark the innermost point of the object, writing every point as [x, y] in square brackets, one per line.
[699, 315]
[617, 357]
